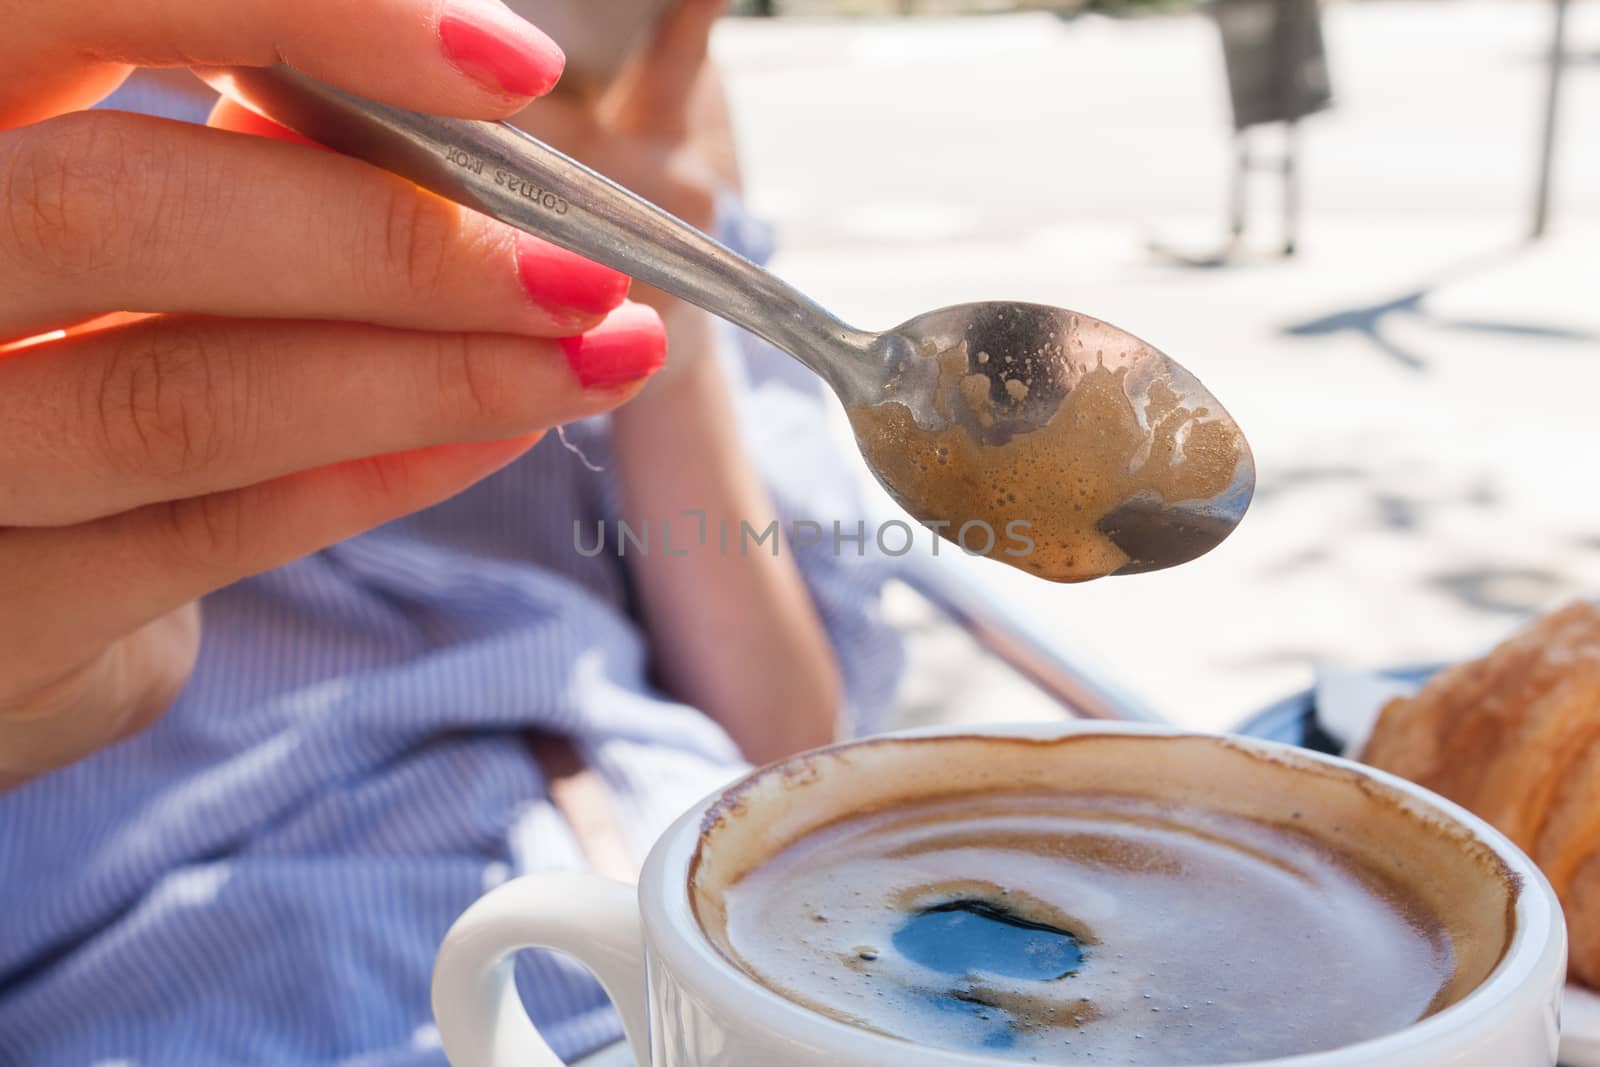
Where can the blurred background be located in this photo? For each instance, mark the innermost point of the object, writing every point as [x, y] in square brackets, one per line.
[1420, 379]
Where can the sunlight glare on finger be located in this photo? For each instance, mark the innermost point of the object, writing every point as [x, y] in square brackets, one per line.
[8, 347]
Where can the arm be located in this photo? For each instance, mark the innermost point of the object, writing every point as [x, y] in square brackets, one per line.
[735, 634]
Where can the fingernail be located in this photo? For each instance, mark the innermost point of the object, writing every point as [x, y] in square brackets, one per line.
[565, 283]
[499, 50]
[631, 344]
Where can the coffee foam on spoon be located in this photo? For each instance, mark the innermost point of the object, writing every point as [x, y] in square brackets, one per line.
[1111, 440]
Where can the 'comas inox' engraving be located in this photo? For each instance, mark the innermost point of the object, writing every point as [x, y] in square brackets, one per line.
[531, 192]
[464, 160]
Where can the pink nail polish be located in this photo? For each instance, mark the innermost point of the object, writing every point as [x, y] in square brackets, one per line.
[564, 282]
[500, 50]
[631, 344]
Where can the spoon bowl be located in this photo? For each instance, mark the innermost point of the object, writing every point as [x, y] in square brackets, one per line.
[1105, 447]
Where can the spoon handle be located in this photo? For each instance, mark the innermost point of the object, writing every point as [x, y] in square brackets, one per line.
[498, 170]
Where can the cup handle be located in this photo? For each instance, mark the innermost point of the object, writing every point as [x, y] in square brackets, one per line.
[475, 1004]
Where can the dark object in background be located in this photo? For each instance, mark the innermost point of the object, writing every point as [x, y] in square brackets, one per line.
[1277, 68]
[1277, 73]
[1552, 110]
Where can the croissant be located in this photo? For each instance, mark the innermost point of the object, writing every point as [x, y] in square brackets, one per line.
[1515, 738]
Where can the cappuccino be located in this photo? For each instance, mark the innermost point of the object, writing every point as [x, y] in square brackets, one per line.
[1049, 903]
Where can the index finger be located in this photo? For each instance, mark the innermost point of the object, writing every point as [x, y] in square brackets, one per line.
[470, 58]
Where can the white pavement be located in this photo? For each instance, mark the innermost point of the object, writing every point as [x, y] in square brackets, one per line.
[1421, 388]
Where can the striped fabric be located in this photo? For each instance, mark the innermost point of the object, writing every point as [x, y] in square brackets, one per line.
[263, 876]
[616, 1055]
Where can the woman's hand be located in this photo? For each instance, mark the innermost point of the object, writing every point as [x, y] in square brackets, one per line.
[316, 347]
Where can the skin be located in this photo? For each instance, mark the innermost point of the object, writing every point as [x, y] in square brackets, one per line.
[265, 291]
[735, 635]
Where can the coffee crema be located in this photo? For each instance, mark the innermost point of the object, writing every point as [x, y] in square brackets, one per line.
[1090, 924]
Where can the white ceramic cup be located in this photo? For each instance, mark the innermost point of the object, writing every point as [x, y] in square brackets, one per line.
[684, 1005]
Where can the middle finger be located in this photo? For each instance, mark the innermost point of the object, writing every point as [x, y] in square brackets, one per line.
[173, 407]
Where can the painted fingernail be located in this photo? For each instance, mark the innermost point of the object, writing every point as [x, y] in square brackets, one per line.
[631, 344]
[494, 47]
[564, 283]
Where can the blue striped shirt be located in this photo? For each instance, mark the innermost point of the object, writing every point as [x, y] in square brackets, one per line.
[263, 876]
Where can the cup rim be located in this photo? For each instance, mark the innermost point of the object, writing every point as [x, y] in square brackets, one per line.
[673, 934]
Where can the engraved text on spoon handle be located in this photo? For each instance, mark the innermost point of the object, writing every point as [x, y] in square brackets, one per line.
[500, 171]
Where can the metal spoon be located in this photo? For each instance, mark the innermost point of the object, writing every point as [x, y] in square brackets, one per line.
[999, 373]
